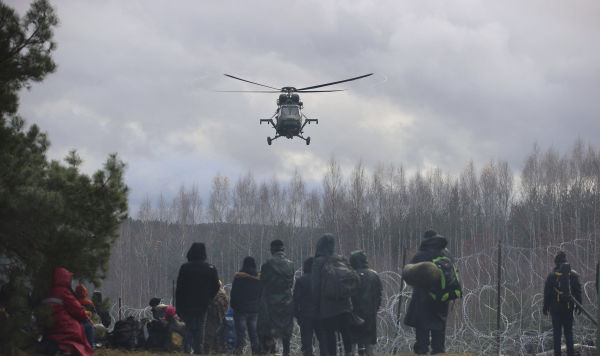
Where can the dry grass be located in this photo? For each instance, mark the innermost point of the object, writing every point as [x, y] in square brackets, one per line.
[116, 352]
[120, 352]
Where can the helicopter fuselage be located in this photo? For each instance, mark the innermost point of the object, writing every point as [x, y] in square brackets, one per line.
[288, 120]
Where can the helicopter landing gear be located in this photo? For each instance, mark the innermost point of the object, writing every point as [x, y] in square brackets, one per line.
[306, 139]
[270, 140]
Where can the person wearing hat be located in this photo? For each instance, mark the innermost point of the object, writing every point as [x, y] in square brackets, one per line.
[157, 308]
[426, 315]
[558, 300]
[276, 309]
[366, 304]
[197, 285]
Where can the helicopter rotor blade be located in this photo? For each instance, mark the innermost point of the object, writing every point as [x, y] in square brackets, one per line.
[332, 83]
[248, 91]
[318, 91]
[247, 81]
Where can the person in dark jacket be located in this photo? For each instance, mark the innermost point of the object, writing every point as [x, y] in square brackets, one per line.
[197, 285]
[366, 303]
[245, 297]
[335, 314]
[306, 313]
[561, 309]
[100, 308]
[276, 309]
[165, 333]
[426, 315]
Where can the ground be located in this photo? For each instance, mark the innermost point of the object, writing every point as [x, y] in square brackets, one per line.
[113, 352]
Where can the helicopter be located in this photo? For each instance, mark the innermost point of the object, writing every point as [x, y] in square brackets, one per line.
[288, 120]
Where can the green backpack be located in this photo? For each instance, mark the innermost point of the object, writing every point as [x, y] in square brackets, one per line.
[449, 287]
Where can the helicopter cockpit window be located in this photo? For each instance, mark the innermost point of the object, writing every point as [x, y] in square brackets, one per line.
[290, 111]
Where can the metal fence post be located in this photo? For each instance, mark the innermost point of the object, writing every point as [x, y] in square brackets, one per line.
[499, 301]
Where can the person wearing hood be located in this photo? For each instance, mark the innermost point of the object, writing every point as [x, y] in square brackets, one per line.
[67, 315]
[366, 303]
[426, 315]
[81, 293]
[560, 306]
[305, 311]
[334, 314]
[276, 309]
[245, 297]
[197, 285]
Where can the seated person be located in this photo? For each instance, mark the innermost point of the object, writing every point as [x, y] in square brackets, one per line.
[81, 294]
[67, 314]
[157, 308]
[167, 333]
[101, 309]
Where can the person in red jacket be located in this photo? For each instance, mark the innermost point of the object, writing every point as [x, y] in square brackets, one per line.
[67, 315]
[81, 293]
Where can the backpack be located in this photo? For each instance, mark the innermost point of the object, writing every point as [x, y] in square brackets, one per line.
[562, 284]
[449, 287]
[338, 280]
[158, 332]
[125, 333]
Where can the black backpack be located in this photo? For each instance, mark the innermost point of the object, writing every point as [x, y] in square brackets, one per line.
[158, 334]
[338, 280]
[562, 284]
[449, 287]
[125, 334]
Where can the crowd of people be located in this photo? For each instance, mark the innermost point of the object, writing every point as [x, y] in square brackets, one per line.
[334, 297]
[265, 302]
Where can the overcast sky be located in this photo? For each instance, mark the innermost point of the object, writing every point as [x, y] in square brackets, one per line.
[454, 81]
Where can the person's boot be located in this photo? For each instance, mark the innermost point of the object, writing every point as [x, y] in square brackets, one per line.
[362, 350]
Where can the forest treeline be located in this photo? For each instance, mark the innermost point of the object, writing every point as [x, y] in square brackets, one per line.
[554, 198]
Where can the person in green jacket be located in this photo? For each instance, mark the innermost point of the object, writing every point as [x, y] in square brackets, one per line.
[276, 309]
[366, 303]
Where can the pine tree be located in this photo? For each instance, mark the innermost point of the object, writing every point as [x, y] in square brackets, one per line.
[25, 50]
[51, 215]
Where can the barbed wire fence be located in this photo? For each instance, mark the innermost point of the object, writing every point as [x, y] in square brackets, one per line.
[472, 321]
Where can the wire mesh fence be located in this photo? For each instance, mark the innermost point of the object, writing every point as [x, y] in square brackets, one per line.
[472, 325]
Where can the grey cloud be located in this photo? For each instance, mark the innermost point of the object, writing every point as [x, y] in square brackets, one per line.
[453, 82]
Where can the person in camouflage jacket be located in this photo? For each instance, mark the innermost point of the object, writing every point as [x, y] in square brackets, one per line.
[276, 309]
[213, 340]
[366, 303]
